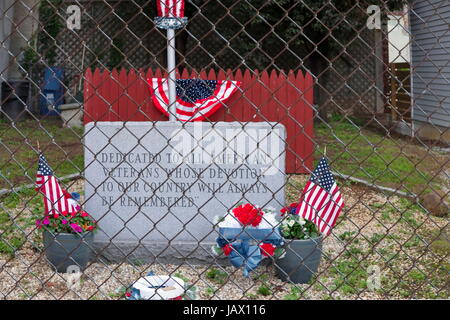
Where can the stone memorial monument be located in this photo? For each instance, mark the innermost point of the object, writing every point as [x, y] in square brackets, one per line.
[156, 187]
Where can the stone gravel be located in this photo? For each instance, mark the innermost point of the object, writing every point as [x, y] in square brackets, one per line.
[26, 275]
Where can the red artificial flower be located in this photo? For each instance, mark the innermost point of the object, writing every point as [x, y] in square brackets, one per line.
[283, 211]
[248, 214]
[84, 214]
[90, 228]
[293, 205]
[65, 213]
[128, 294]
[267, 249]
[55, 215]
[227, 249]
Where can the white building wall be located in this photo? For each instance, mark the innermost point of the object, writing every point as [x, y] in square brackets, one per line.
[6, 18]
[399, 38]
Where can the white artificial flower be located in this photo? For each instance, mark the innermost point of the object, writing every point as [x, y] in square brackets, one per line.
[301, 221]
[268, 221]
[229, 221]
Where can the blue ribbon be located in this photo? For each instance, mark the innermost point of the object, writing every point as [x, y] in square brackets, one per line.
[242, 253]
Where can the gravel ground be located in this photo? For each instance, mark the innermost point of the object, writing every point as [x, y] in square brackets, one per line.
[409, 247]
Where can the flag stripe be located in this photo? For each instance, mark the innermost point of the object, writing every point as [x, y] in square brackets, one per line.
[170, 8]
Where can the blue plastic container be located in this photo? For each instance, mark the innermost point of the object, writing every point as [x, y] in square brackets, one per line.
[52, 91]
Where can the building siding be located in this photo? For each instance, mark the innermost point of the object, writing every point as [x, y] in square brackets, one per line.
[430, 61]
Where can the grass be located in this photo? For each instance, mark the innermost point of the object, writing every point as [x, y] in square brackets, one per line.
[359, 152]
[18, 211]
[294, 294]
[18, 156]
[378, 157]
[217, 275]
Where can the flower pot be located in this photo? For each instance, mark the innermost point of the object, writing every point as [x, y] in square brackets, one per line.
[301, 260]
[66, 249]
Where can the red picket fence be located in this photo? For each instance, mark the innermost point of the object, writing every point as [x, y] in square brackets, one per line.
[274, 97]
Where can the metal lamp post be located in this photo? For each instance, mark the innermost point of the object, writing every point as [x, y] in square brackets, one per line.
[171, 18]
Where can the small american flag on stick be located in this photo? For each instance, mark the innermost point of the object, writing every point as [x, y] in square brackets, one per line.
[55, 201]
[321, 201]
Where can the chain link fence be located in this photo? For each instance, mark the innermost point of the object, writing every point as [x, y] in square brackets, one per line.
[364, 83]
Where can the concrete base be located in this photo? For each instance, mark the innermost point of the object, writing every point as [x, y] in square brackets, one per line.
[72, 114]
[157, 252]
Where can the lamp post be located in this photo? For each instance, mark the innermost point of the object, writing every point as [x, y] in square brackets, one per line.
[171, 17]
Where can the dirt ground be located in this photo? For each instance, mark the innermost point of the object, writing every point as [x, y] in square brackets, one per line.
[408, 247]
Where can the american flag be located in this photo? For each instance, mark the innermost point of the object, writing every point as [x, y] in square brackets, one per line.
[54, 198]
[321, 200]
[196, 99]
[170, 8]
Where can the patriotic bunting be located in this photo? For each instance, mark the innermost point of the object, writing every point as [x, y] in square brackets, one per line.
[196, 99]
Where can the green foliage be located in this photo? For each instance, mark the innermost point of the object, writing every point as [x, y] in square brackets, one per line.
[353, 252]
[217, 275]
[417, 275]
[119, 293]
[287, 29]
[413, 242]
[52, 24]
[210, 291]
[116, 55]
[376, 237]
[11, 245]
[295, 227]
[179, 275]
[347, 235]
[295, 294]
[30, 57]
[264, 290]
[351, 275]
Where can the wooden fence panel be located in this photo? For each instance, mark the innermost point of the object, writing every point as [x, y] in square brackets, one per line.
[274, 97]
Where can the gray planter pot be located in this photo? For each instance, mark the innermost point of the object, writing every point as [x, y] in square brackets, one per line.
[65, 249]
[301, 261]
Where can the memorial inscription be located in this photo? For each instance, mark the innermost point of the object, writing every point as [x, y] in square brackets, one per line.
[156, 187]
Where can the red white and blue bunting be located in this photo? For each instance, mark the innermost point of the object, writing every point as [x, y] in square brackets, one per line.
[196, 99]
